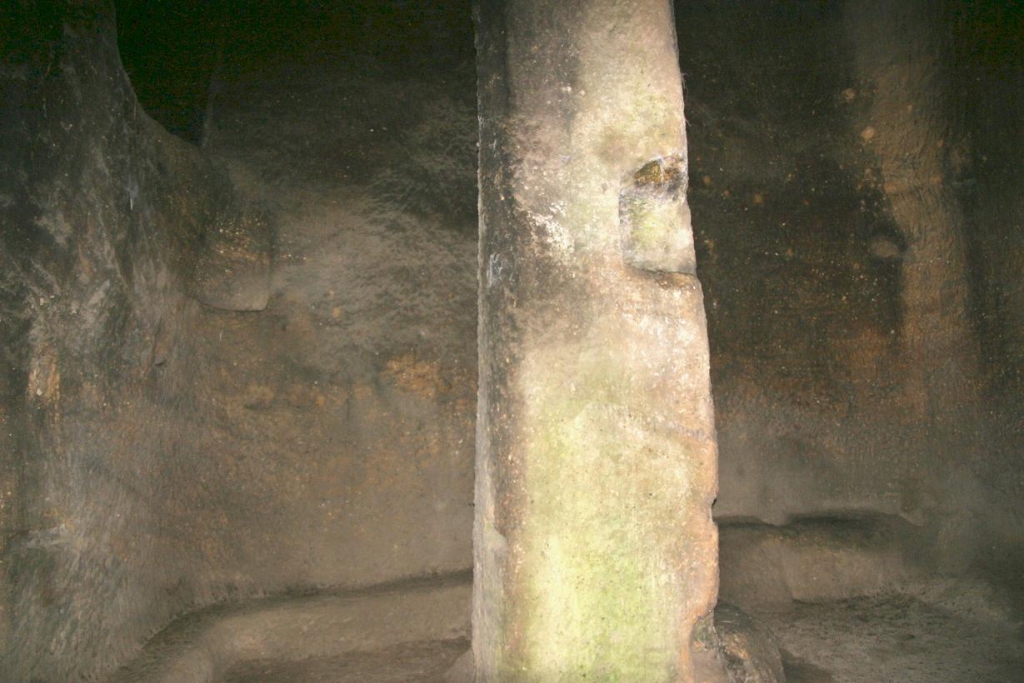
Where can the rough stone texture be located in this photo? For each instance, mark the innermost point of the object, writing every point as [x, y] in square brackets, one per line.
[820, 559]
[232, 269]
[987, 54]
[595, 551]
[733, 647]
[103, 214]
[816, 315]
[949, 633]
[263, 639]
[339, 419]
[327, 440]
[160, 455]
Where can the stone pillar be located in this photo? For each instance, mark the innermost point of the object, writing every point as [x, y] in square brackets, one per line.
[595, 552]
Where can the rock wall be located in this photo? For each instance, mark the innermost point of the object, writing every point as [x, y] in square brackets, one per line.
[105, 216]
[854, 261]
[309, 425]
[158, 454]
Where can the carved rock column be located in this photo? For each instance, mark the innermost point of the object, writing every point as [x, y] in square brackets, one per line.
[595, 553]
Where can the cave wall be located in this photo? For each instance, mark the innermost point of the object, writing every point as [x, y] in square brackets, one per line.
[160, 455]
[105, 220]
[338, 426]
[986, 54]
[307, 430]
[855, 244]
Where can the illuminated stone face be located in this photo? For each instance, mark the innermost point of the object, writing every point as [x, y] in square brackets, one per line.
[595, 551]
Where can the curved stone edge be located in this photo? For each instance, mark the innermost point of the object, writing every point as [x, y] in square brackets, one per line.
[818, 559]
[202, 647]
[736, 649]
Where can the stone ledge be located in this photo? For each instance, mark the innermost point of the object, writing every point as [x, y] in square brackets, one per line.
[203, 647]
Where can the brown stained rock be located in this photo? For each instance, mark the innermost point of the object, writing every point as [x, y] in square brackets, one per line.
[103, 219]
[232, 266]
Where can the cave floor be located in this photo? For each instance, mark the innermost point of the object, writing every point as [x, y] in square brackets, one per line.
[919, 629]
[896, 637]
[935, 632]
[420, 662]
